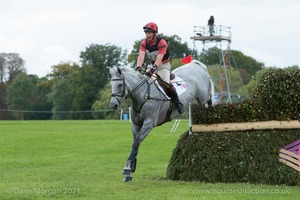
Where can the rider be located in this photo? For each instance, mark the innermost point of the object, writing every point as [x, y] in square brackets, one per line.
[157, 50]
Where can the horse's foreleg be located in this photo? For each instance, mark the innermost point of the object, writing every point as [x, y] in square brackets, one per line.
[138, 138]
[130, 165]
[136, 129]
[131, 162]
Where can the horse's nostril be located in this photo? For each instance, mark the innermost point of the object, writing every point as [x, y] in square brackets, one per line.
[115, 107]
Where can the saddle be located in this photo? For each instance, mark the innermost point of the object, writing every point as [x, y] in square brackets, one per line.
[179, 84]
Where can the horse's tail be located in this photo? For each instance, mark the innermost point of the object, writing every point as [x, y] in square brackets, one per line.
[199, 63]
[212, 100]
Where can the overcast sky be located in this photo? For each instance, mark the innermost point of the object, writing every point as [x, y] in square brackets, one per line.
[46, 32]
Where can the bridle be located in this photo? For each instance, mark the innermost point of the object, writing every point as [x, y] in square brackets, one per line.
[121, 93]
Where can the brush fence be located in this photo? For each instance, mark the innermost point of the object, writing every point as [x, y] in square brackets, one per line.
[289, 154]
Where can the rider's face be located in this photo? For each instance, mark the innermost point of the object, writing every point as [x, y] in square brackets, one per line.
[149, 36]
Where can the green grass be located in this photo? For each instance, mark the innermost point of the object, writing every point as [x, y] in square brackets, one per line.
[84, 160]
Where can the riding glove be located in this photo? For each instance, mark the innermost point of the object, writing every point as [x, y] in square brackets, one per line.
[151, 71]
[138, 68]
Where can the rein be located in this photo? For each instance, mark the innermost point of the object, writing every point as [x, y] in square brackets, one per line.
[121, 93]
[138, 86]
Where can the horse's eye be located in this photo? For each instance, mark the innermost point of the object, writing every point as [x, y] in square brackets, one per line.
[120, 85]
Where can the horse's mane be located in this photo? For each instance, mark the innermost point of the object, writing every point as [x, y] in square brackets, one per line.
[126, 69]
[114, 71]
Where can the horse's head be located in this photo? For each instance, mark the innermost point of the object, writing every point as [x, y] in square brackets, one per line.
[118, 87]
[125, 82]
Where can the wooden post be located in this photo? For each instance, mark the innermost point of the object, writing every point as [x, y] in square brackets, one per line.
[190, 118]
[129, 113]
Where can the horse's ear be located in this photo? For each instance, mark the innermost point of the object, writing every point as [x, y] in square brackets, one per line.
[119, 71]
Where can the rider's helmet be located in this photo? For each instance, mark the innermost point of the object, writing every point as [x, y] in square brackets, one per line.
[151, 27]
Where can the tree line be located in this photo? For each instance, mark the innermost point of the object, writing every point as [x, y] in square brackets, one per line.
[82, 90]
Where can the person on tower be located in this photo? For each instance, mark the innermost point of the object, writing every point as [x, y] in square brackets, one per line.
[211, 22]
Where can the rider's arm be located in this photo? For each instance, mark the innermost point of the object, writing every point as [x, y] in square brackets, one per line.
[141, 58]
[159, 59]
[162, 50]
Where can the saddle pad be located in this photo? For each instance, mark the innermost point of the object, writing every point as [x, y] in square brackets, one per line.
[179, 84]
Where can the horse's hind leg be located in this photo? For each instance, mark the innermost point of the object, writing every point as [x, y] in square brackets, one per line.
[209, 103]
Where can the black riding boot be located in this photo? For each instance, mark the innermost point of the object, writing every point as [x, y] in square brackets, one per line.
[173, 94]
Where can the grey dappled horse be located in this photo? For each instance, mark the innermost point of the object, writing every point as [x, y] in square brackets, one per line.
[150, 105]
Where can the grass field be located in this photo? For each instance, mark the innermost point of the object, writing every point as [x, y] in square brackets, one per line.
[84, 160]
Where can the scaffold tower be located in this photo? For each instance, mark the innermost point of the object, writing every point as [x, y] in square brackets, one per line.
[220, 37]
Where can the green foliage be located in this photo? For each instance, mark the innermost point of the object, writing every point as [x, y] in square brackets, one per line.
[177, 48]
[277, 95]
[75, 88]
[29, 93]
[250, 87]
[62, 70]
[175, 63]
[212, 56]
[61, 98]
[234, 79]
[3, 114]
[249, 157]
[246, 65]
[83, 86]
[222, 113]
[246, 62]
[21, 93]
[11, 64]
[41, 102]
[101, 57]
[101, 106]
[76, 92]
[61, 94]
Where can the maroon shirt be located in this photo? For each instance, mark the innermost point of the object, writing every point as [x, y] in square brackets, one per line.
[158, 46]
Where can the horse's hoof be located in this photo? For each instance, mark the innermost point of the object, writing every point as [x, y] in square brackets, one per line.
[127, 171]
[128, 178]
